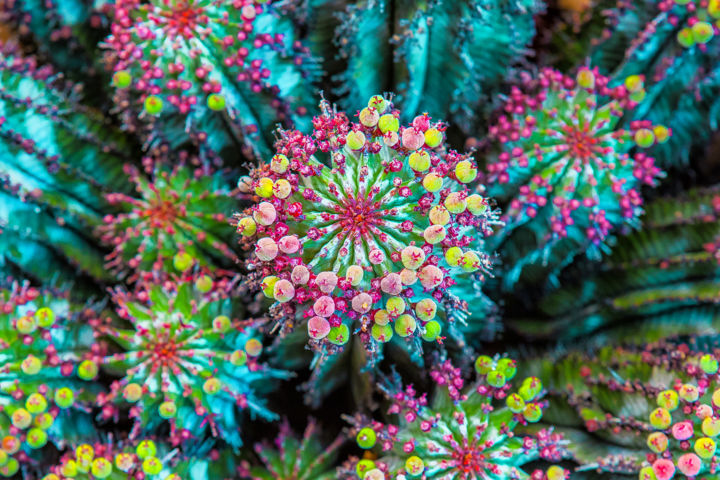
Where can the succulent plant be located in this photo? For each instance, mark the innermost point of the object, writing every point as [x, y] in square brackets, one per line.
[463, 432]
[363, 228]
[57, 159]
[43, 337]
[231, 68]
[187, 359]
[64, 31]
[569, 171]
[445, 58]
[293, 458]
[651, 287]
[177, 208]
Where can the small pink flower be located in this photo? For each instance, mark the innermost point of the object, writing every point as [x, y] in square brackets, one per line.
[689, 464]
[682, 430]
[664, 469]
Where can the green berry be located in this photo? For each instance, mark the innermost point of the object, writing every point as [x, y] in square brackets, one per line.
[660, 418]
[381, 333]
[212, 386]
[153, 105]
[339, 335]
[204, 283]
[586, 78]
[45, 317]
[21, 418]
[496, 379]
[644, 138]
[405, 325]
[414, 466]
[366, 438]
[466, 171]
[167, 409]
[216, 102]
[355, 140]
[388, 123]
[238, 358]
[668, 399]
[87, 370]
[101, 468]
[705, 447]
[702, 32]
[221, 324]
[709, 364]
[10, 468]
[36, 403]
[44, 421]
[433, 137]
[378, 103]
[152, 466]
[122, 79]
[64, 397]
[432, 331]
[507, 367]
[661, 133]
[657, 442]
[363, 466]
[26, 324]
[532, 412]
[146, 449]
[36, 438]
[182, 261]
[483, 364]
[685, 38]
[515, 403]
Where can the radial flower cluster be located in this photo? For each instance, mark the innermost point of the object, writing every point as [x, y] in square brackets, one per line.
[686, 424]
[293, 458]
[40, 347]
[114, 462]
[699, 19]
[465, 432]
[191, 55]
[178, 209]
[569, 166]
[186, 360]
[365, 226]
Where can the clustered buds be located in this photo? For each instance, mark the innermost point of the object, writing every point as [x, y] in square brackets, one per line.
[465, 432]
[185, 360]
[185, 55]
[699, 19]
[290, 456]
[178, 210]
[100, 461]
[37, 383]
[365, 225]
[565, 159]
[686, 424]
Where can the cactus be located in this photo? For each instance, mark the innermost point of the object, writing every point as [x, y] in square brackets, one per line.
[568, 169]
[57, 159]
[290, 457]
[624, 408]
[43, 339]
[178, 209]
[651, 287]
[230, 68]
[460, 433]
[362, 228]
[188, 360]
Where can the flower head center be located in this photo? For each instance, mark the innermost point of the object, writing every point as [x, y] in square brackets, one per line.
[580, 142]
[180, 18]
